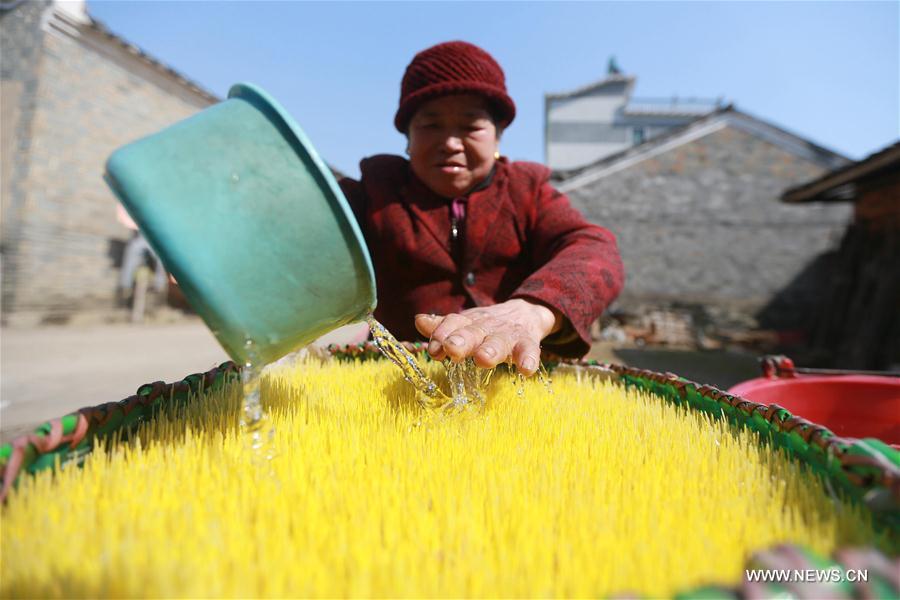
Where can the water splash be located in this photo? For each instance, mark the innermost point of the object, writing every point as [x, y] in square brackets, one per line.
[254, 420]
[468, 382]
[430, 395]
[544, 376]
[517, 379]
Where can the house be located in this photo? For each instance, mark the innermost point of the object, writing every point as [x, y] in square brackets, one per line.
[698, 219]
[72, 92]
[856, 324]
[600, 119]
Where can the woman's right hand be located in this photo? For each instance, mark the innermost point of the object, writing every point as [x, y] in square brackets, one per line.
[491, 334]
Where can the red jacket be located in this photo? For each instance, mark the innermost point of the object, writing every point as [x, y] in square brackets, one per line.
[521, 239]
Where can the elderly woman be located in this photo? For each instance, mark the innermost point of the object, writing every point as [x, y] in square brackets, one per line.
[492, 261]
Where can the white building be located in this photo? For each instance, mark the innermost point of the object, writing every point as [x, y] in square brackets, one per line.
[600, 119]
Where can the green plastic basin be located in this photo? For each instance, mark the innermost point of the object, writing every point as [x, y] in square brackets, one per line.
[250, 222]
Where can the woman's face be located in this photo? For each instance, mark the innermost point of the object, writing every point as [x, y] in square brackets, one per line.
[452, 141]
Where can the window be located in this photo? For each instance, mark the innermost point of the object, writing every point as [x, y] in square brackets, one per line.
[637, 136]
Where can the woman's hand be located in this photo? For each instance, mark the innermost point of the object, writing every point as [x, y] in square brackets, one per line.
[491, 334]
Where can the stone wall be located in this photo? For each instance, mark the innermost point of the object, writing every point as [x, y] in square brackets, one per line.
[91, 96]
[702, 224]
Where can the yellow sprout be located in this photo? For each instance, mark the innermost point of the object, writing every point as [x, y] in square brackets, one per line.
[589, 491]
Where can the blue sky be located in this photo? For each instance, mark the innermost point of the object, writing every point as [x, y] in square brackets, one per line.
[829, 71]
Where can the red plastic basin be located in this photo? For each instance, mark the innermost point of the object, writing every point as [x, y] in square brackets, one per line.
[849, 405]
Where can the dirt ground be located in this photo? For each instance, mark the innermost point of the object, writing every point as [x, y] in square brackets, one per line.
[48, 372]
[51, 371]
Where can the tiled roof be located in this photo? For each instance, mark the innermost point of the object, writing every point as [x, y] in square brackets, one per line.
[147, 58]
[828, 187]
[672, 107]
[728, 115]
[84, 20]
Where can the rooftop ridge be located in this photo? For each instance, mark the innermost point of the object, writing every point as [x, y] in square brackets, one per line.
[614, 78]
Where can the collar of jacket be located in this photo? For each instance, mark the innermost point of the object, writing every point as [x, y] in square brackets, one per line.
[420, 193]
[483, 207]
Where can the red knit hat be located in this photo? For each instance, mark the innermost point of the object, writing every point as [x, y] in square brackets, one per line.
[453, 68]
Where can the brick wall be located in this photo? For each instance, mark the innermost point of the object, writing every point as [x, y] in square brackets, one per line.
[91, 97]
[21, 40]
[702, 223]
